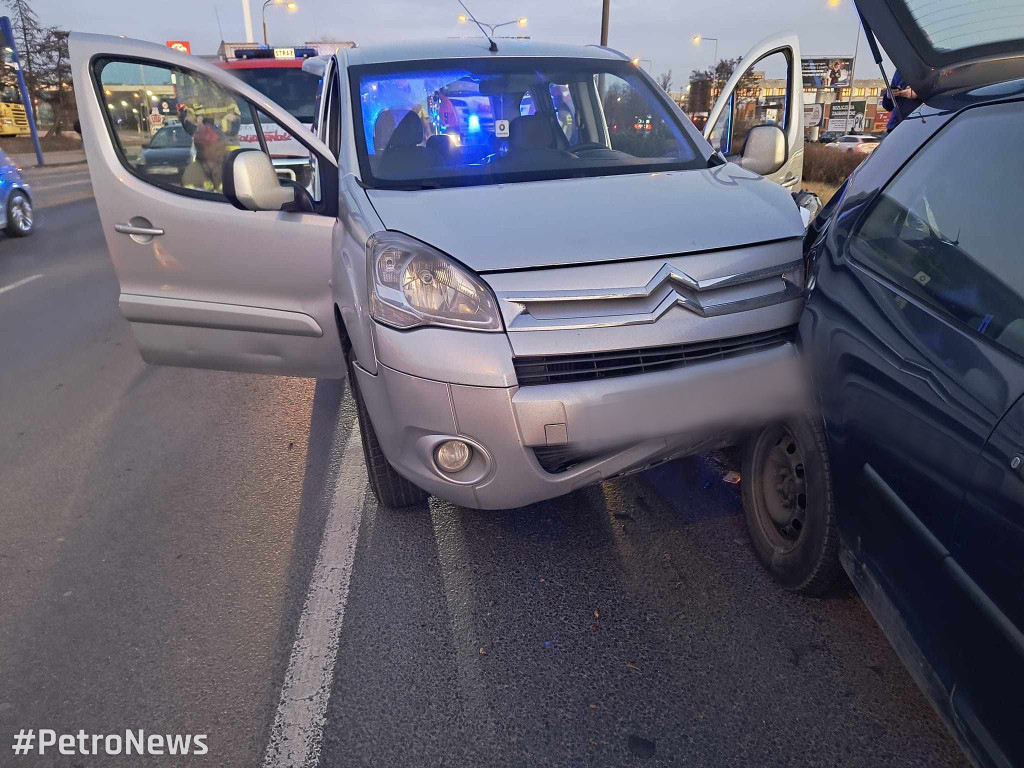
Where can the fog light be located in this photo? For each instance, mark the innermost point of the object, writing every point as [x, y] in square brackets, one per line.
[453, 455]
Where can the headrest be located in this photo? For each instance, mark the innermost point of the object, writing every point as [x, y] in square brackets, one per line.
[531, 132]
[397, 127]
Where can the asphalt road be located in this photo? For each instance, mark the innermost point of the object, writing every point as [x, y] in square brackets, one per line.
[163, 533]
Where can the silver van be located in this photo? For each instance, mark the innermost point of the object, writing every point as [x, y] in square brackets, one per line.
[534, 270]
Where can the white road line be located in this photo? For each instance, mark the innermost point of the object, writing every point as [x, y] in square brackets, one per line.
[299, 724]
[37, 187]
[19, 283]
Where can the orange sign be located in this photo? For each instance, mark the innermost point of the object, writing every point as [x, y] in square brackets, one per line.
[180, 45]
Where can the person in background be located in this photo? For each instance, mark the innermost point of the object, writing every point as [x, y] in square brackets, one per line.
[899, 95]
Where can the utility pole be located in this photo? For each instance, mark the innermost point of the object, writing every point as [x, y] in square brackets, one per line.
[604, 22]
[853, 69]
[247, 17]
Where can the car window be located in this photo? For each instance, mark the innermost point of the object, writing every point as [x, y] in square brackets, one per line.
[290, 87]
[943, 232]
[292, 160]
[211, 121]
[170, 137]
[760, 98]
[507, 119]
[722, 130]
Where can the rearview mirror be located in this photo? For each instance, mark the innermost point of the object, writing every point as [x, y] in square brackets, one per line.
[765, 149]
[251, 183]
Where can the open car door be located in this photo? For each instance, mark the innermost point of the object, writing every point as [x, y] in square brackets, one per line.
[773, 68]
[205, 284]
[941, 45]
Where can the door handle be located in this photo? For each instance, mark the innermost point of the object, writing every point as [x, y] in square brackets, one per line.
[131, 229]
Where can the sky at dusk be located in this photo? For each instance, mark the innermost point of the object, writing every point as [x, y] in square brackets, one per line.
[659, 30]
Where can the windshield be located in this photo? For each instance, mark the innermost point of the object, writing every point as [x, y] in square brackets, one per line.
[467, 121]
[290, 87]
[171, 136]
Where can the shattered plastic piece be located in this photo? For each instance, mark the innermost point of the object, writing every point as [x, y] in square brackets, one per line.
[732, 477]
[632, 667]
[483, 652]
[597, 614]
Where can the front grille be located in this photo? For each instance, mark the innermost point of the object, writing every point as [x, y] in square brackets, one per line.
[590, 366]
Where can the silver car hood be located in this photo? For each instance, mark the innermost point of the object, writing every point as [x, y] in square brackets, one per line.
[579, 221]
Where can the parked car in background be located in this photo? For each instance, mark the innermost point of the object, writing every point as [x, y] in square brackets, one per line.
[913, 476]
[498, 354]
[15, 199]
[827, 137]
[862, 144]
[168, 152]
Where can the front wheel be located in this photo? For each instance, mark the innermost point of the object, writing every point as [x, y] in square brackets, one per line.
[391, 489]
[787, 501]
[19, 214]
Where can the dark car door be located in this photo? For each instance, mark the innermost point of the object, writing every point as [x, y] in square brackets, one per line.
[917, 319]
[989, 547]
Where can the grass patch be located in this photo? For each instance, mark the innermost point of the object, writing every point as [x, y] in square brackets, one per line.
[22, 145]
[828, 165]
[821, 189]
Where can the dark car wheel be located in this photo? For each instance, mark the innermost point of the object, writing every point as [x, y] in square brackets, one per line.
[19, 215]
[787, 500]
[391, 489]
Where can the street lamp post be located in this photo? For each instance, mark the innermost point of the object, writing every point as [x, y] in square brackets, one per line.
[697, 40]
[521, 21]
[291, 6]
[714, 65]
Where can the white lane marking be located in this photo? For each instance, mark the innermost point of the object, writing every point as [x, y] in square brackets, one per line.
[299, 723]
[37, 187]
[19, 283]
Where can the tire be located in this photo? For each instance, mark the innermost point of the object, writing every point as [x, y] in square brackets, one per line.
[391, 489]
[788, 505]
[19, 215]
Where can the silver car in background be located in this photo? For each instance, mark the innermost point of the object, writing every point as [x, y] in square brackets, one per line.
[534, 270]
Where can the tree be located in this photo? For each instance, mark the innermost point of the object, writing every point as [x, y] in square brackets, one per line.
[706, 84]
[27, 33]
[665, 81]
[54, 77]
[45, 62]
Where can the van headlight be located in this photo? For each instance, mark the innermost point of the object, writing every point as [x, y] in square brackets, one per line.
[411, 284]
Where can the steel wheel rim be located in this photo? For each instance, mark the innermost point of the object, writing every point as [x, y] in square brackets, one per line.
[21, 213]
[783, 497]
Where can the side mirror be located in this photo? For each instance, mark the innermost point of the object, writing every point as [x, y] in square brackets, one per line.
[251, 183]
[765, 149]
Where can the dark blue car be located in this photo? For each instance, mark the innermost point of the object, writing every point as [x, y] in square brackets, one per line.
[911, 477]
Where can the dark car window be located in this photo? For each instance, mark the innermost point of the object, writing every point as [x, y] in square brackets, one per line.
[290, 87]
[171, 136]
[947, 228]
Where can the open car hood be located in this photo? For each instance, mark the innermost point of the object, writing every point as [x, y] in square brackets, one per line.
[941, 45]
[498, 227]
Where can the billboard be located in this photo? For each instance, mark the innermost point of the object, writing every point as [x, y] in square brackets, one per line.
[826, 71]
[812, 115]
[844, 117]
